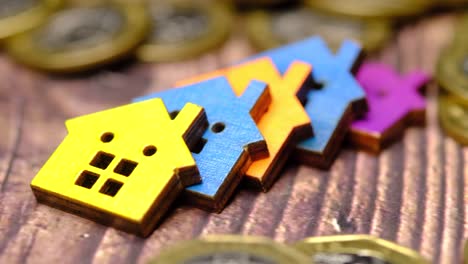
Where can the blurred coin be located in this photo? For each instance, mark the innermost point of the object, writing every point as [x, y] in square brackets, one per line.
[268, 30]
[262, 3]
[357, 249]
[461, 31]
[372, 8]
[231, 250]
[184, 29]
[17, 16]
[82, 37]
[465, 255]
[451, 3]
[452, 70]
[453, 115]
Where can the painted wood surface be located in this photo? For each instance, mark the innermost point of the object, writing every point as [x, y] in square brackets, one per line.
[286, 122]
[231, 143]
[395, 102]
[333, 105]
[413, 193]
[102, 167]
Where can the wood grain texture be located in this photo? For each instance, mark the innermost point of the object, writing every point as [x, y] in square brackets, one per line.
[414, 193]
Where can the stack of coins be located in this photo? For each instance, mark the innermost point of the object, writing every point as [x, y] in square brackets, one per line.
[17, 16]
[80, 36]
[270, 29]
[452, 74]
[367, 22]
[67, 36]
[182, 30]
[373, 9]
[344, 249]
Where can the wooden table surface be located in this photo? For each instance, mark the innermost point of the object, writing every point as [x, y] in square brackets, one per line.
[414, 193]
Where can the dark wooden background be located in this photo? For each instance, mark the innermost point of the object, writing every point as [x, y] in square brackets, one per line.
[414, 193]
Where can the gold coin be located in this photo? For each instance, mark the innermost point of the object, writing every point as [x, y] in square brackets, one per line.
[461, 31]
[261, 3]
[268, 30]
[357, 249]
[450, 3]
[372, 8]
[82, 37]
[452, 70]
[17, 16]
[183, 29]
[465, 256]
[453, 115]
[231, 249]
